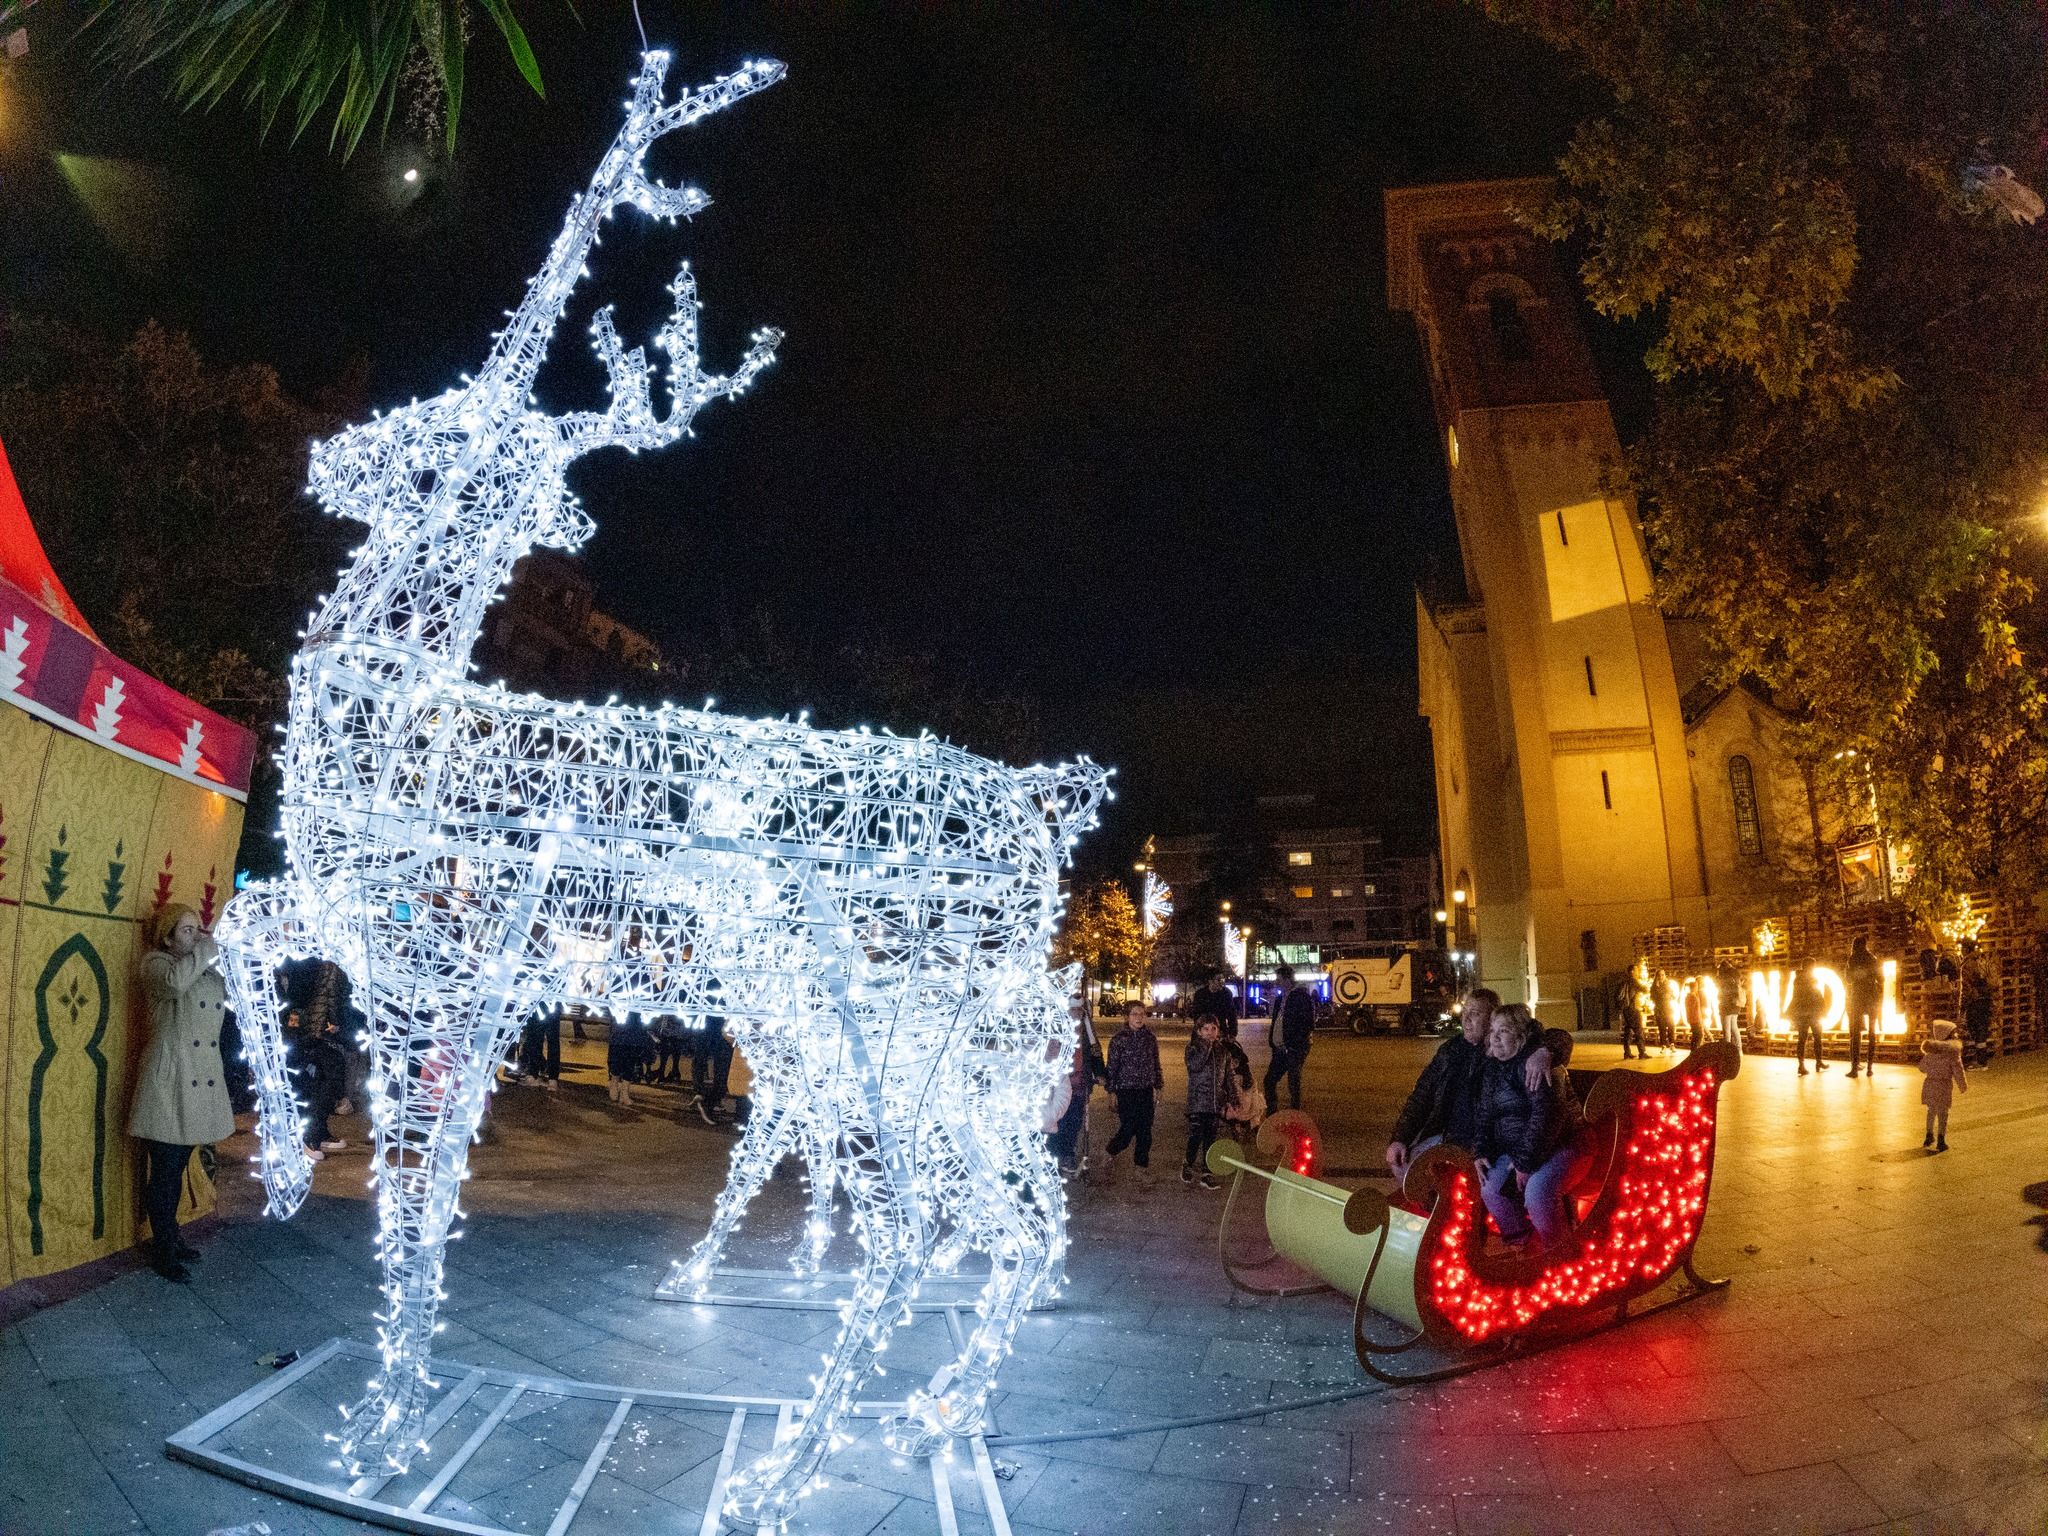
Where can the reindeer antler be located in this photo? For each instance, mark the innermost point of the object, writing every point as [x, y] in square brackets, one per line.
[621, 178]
[630, 422]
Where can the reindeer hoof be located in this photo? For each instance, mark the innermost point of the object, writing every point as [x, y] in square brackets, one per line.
[381, 1433]
[924, 1427]
[758, 1498]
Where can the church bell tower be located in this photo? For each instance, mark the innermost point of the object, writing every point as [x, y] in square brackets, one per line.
[1563, 796]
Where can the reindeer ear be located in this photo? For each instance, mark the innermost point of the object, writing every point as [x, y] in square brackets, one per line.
[564, 525]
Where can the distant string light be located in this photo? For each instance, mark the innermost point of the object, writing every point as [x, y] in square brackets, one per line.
[870, 913]
[1158, 903]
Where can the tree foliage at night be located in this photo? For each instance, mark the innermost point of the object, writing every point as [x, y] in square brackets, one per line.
[1103, 932]
[1843, 474]
[167, 493]
[294, 60]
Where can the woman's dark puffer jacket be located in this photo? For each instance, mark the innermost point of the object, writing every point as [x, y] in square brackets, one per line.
[1512, 1123]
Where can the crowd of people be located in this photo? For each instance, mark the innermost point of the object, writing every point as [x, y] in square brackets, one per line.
[1499, 1088]
[642, 1052]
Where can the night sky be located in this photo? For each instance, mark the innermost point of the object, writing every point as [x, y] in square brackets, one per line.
[1089, 373]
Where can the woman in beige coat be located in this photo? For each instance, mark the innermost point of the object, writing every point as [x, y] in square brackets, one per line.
[181, 1096]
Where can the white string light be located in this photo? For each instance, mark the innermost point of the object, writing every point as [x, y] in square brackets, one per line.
[1157, 906]
[870, 913]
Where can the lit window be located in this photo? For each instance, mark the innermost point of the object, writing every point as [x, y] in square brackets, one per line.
[1749, 829]
[1301, 860]
[1339, 892]
[1303, 892]
[1370, 890]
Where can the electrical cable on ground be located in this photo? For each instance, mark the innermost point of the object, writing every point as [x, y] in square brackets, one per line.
[1257, 1410]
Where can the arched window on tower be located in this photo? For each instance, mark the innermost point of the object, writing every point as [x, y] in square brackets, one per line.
[1510, 330]
[1749, 827]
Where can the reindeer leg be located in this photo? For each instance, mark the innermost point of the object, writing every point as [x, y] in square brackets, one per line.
[822, 1140]
[764, 1143]
[430, 1079]
[953, 1247]
[1049, 1190]
[1024, 1237]
[259, 929]
[879, 1180]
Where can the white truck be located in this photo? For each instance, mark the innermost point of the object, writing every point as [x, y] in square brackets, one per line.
[1379, 994]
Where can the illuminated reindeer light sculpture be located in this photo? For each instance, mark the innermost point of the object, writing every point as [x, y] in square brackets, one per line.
[871, 912]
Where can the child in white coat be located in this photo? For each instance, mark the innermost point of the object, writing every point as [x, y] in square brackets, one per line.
[1941, 1063]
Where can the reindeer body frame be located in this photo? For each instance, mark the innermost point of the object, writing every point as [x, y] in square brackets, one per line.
[870, 912]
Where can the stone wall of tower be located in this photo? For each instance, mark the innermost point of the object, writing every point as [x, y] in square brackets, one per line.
[1552, 702]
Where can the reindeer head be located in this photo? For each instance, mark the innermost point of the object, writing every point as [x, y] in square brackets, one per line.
[479, 462]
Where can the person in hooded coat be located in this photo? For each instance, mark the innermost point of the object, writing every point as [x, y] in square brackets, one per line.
[181, 1091]
[1941, 1063]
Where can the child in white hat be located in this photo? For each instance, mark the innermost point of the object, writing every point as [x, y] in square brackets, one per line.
[1941, 1063]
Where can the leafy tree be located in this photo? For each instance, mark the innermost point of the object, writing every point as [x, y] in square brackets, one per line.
[1820, 205]
[167, 493]
[1103, 932]
[295, 58]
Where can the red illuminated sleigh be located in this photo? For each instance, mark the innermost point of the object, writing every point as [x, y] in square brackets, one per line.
[1426, 1262]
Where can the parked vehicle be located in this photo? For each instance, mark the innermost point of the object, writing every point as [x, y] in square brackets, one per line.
[1406, 991]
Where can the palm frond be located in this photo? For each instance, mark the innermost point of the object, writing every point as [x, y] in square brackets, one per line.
[298, 59]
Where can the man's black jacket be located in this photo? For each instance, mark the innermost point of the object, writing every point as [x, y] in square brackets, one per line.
[1446, 1097]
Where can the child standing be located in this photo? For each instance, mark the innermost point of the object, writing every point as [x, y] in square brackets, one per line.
[1238, 1106]
[1207, 1064]
[1941, 1063]
[1134, 1078]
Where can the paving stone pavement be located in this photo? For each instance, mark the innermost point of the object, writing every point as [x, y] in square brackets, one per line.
[1877, 1366]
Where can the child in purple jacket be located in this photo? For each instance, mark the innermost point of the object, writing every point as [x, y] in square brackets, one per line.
[1134, 1079]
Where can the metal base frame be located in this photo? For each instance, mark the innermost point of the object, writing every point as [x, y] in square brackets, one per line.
[360, 1499]
[826, 1291]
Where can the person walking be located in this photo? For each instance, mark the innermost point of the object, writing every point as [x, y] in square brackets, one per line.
[1728, 987]
[1240, 1106]
[540, 1049]
[1941, 1063]
[1978, 995]
[181, 1092]
[627, 1053]
[1208, 1063]
[322, 1072]
[1215, 1000]
[670, 1041]
[1291, 1026]
[1864, 982]
[1695, 1014]
[1804, 1006]
[1083, 1073]
[1661, 1010]
[1135, 1079]
[711, 1067]
[1632, 1004]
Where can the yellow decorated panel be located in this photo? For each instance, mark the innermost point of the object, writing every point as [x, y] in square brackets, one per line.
[24, 744]
[88, 833]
